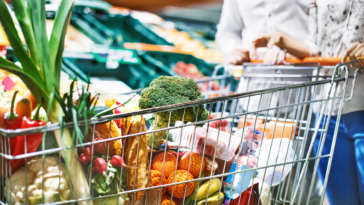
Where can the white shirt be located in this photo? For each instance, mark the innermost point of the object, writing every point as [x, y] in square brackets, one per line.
[243, 20]
[334, 26]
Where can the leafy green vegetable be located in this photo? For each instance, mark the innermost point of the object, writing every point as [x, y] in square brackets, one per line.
[167, 90]
[82, 110]
[102, 185]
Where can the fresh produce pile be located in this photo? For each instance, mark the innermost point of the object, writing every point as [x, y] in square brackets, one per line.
[165, 163]
[114, 166]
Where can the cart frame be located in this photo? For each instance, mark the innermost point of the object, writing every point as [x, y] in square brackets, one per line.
[300, 121]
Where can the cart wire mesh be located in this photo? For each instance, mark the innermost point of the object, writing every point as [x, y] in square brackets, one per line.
[290, 127]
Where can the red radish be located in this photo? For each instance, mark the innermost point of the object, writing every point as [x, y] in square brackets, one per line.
[117, 161]
[99, 147]
[100, 166]
[87, 151]
[85, 159]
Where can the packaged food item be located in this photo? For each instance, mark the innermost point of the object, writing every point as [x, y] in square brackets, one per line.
[206, 141]
[211, 167]
[212, 142]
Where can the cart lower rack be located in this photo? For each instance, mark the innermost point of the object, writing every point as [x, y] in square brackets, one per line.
[249, 159]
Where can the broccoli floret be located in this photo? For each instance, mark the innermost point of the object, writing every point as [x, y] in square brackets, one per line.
[167, 90]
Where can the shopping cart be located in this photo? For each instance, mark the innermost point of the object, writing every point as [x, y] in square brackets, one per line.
[221, 147]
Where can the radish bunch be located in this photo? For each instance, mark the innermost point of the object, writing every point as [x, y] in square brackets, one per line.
[99, 164]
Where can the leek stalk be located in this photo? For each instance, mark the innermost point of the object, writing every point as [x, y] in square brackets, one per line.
[42, 70]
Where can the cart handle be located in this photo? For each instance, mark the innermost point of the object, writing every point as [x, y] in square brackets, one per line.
[357, 71]
[313, 61]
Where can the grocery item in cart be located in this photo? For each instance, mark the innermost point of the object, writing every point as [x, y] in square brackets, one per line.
[211, 167]
[156, 179]
[181, 190]
[252, 139]
[206, 141]
[192, 162]
[205, 191]
[249, 197]
[216, 198]
[165, 162]
[166, 200]
[223, 125]
[48, 177]
[235, 184]
[166, 90]
[212, 142]
[275, 151]
[246, 160]
[136, 157]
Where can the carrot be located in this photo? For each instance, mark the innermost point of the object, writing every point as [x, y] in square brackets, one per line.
[24, 107]
[32, 99]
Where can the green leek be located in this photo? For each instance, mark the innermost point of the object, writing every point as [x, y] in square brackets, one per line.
[41, 70]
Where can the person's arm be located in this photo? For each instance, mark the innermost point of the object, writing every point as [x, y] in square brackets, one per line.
[229, 30]
[296, 48]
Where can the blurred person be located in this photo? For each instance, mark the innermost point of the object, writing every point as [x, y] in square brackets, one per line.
[243, 20]
[336, 30]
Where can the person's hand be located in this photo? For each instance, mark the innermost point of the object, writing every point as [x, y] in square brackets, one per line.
[274, 56]
[238, 56]
[266, 40]
[354, 52]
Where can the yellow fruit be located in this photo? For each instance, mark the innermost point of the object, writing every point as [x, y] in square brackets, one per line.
[166, 200]
[179, 190]
[155, 179]
[169, 163]
[197, 163]
[215, 199]
[207, 189]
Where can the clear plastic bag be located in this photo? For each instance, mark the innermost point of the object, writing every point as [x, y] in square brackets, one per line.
[280, 152]
[207, 141]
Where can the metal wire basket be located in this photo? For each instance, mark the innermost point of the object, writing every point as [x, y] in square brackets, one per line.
[291, 122]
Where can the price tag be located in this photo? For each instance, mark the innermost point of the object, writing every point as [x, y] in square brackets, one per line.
[114, 56]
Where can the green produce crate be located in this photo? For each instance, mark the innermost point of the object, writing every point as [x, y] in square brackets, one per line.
[73, 71]
[132, 30]
[134, 75]
[115, 29]
[170, 60]
[95, 30]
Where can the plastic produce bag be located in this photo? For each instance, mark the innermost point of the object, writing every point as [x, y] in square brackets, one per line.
[281, 152]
